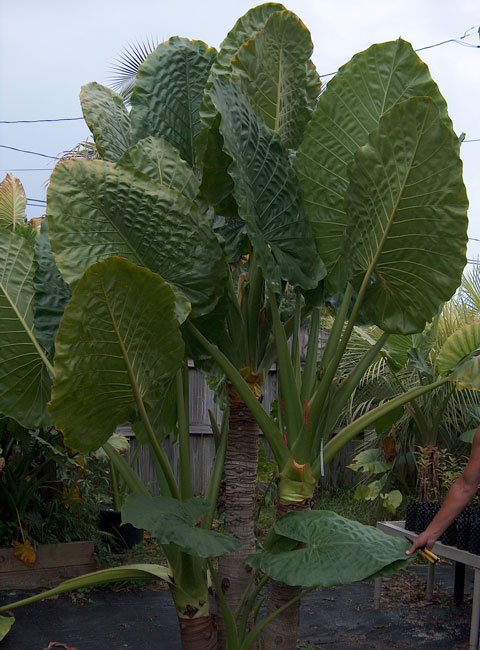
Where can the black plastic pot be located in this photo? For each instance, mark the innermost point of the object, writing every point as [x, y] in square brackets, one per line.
[464, 532]
[122, 537]
[419, 515]
[411, 517]
[464, 526]
[474, 541]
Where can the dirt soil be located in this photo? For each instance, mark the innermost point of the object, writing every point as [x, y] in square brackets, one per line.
[336, 618]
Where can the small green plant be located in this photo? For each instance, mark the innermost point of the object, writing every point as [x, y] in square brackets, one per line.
[378, 463]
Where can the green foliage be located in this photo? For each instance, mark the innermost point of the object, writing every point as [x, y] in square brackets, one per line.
[371, 461]
[25, 381]
[342, 501]
[367, 87]
[360, 552]
[133, 235]
[45, 494]
[113, 291]
[12, 204]
[107, 119]
[173, 522]
[168, 90]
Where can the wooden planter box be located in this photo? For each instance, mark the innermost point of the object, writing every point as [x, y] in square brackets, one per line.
[55, 562]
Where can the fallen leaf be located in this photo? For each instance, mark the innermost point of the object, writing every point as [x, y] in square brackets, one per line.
[56, 644]
[25, 552]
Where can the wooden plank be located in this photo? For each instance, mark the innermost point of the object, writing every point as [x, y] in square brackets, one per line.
[442, 550]
[50, 555]
[55, 562]
[42, 577]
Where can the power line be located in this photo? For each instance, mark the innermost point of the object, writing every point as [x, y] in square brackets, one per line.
[60, 119]
[458, 41]
[34, 153]
[28, 169]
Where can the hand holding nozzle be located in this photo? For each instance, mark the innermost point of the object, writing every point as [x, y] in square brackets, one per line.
[424, 551]
[428, 555]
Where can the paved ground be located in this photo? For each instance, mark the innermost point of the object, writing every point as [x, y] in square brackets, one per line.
[337, 618]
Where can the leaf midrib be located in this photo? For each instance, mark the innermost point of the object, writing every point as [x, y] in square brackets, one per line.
[27, 330]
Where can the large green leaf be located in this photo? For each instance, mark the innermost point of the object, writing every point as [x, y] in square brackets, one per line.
[216, 183]
[160, 161]
[457, 347]
[6, 623]
[117, 345]
[267, 193]
[104, 576]
[407, 211]
[97, 209]
[51, 292]
[163, 417]
[459, 357]
[245, 28]
[24, 378]
[397, 346]
[168, 90]
[349, 109]
[107, 118]
[274, 72]
[12, 203]
[339, 551]
[174, 522]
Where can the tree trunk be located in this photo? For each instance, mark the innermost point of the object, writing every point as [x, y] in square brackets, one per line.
[198, 633]
[240, 480]
[282, 633]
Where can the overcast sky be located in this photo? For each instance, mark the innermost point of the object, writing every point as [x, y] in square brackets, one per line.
[49, 48]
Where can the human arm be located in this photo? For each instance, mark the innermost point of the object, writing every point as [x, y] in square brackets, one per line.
[459, 495]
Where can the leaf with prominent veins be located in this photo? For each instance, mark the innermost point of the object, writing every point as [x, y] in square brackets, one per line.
[275, 73]
[407, 210]
[267, 193]
[117, 346]
[349, 109]
[97, 209]
[25, 371]
[12, 203]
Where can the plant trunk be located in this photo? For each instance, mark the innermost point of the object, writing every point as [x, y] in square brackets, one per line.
[282, 632]
[198, 633]
[240, 481]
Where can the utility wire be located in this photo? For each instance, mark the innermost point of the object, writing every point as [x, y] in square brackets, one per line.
[458, 41]
[60, 119]
[35, 153]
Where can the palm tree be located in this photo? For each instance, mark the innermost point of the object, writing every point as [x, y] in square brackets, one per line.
[434, 420]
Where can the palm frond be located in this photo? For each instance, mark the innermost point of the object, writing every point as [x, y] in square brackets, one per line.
[126, 66]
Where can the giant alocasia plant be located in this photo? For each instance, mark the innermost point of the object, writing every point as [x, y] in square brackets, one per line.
[375, 191]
